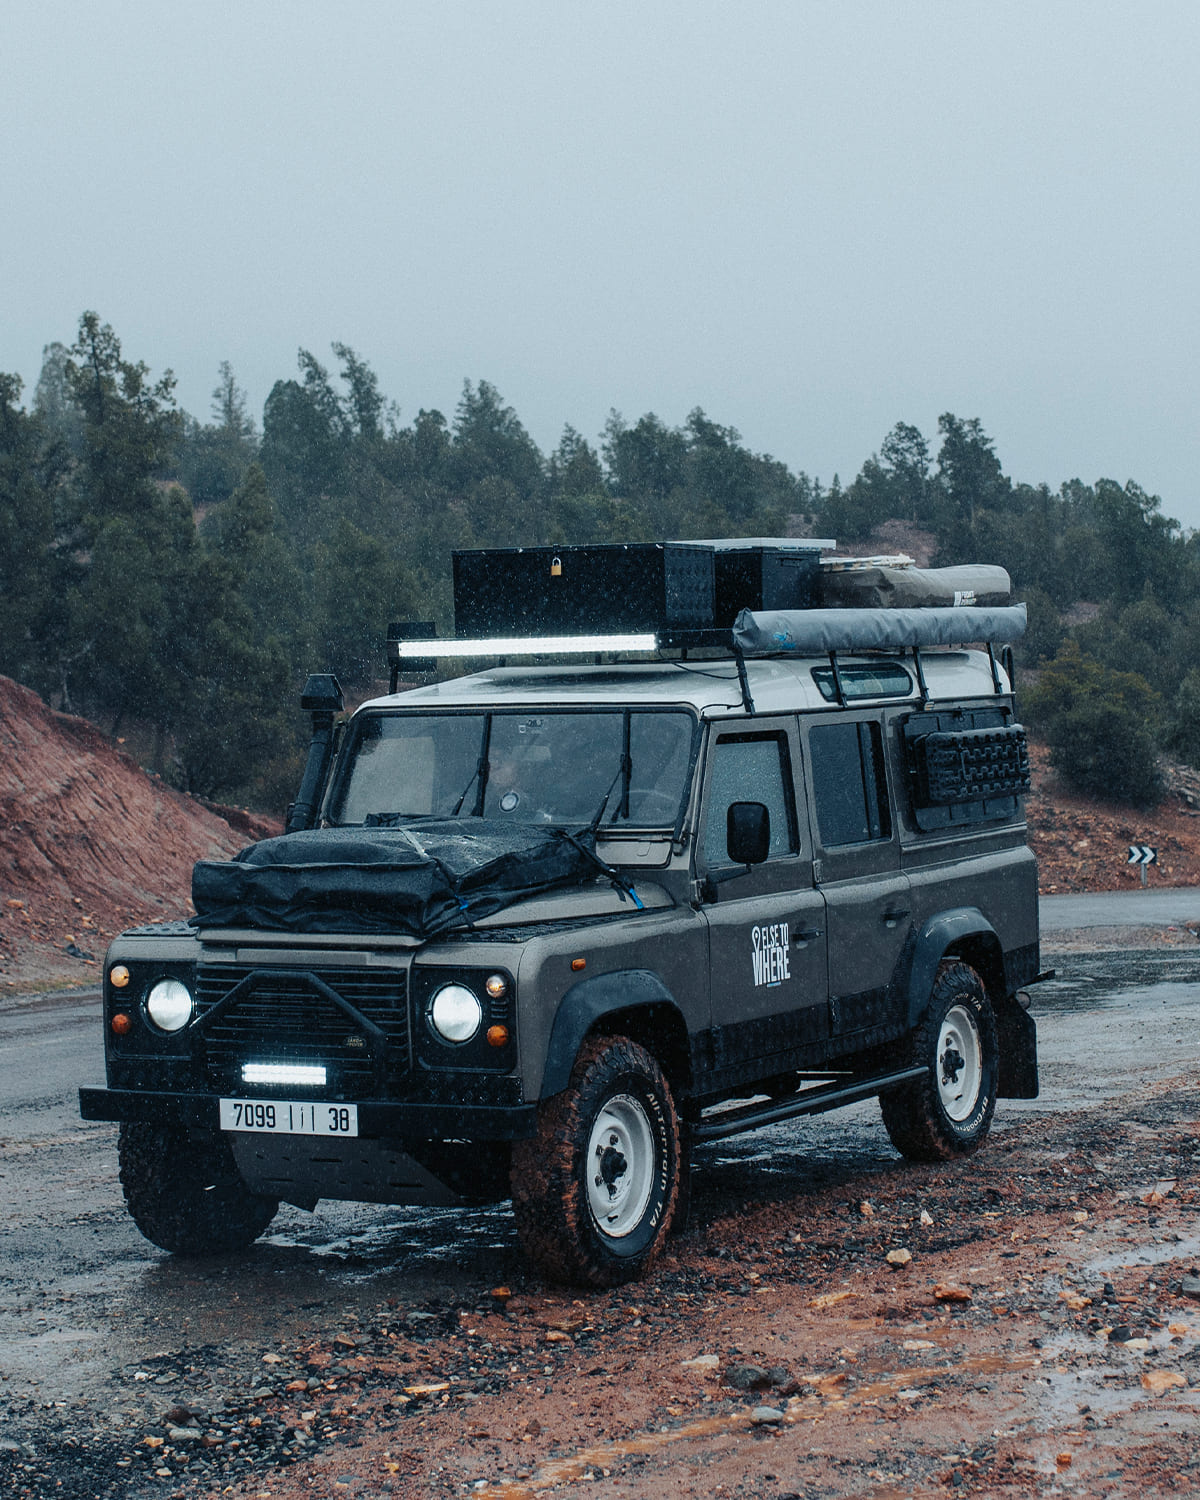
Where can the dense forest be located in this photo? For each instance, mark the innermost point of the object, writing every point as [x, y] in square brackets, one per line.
[173, 579]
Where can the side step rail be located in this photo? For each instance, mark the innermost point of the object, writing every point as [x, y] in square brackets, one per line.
[811, 1102]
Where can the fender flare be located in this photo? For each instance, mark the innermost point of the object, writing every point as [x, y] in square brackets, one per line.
[584, 1004]
[938, 934]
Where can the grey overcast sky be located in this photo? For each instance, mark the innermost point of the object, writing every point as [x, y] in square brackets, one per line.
[812, 220]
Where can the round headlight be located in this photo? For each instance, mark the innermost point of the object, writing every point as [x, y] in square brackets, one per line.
[456, 1014]
[169, 1005]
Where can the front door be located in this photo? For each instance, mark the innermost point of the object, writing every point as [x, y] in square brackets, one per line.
[766, 925]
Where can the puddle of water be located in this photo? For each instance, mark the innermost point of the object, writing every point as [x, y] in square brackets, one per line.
[1108, 1388]
[1118, 981]
[381, 1239]
[1145, 1255]
[32, 1356]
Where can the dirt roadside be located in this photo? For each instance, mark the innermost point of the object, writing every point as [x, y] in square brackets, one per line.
[90, 844]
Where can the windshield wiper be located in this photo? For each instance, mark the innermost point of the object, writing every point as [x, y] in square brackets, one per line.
[480, 771]
[587, 848]
[623, 770]
[480, 774]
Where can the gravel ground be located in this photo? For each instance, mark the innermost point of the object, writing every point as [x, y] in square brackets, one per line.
[1036, 1331]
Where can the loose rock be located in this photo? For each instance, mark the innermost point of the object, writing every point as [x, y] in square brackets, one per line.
[747, 1378]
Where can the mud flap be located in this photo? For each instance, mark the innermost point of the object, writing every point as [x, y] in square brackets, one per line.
[1016, 1034]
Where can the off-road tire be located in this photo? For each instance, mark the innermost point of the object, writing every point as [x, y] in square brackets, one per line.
[184, 1192]
[613, 1131]
[948, 1112]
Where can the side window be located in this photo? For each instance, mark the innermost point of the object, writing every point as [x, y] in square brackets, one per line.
[849, 783]
[749, 768]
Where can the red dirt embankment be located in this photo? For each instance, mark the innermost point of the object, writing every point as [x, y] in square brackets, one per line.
[89, 842]
[1083, 844]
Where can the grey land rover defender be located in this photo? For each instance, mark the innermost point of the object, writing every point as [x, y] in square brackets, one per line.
[746, 831]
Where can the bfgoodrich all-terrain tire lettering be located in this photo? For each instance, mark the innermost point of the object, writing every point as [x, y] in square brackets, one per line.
[948, 1112]
[595, 1190]
[185, 1194]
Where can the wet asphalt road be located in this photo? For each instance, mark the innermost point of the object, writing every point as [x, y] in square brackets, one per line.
[89, 1310]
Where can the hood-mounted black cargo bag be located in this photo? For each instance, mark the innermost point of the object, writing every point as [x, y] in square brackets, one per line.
[417, 881]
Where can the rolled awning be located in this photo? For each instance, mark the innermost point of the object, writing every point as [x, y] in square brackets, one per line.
[811, 632]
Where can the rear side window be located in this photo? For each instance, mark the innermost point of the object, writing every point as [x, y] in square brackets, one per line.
[849, 783]
[880, 680]
[749, 768]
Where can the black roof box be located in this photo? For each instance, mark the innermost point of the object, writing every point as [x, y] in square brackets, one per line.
[642, 586]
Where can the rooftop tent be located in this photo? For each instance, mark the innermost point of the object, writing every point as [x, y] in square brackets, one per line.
[867, 584]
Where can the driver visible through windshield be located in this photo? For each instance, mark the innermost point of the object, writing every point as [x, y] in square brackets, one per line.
[620, 768]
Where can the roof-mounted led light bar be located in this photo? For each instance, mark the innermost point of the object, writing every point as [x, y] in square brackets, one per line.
[542, 645]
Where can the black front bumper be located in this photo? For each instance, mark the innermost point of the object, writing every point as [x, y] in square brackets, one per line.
[376, 1118]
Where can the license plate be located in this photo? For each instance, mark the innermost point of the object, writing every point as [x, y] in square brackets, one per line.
[289, 1117]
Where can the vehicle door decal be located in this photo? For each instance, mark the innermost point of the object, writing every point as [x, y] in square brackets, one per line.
[770, 954]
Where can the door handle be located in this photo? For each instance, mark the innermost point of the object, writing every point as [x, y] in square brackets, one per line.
[807, 936]
[894, 916]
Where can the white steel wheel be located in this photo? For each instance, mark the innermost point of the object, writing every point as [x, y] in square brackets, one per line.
[959, 1063]
[594, 1190]
[947, 1111]
[621, 1166]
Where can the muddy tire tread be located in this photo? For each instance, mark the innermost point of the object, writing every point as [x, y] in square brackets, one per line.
[185, 1195]
[917, 1126]
[553, 1223]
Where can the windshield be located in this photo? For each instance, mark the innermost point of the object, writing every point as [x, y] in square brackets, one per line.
[530, 767]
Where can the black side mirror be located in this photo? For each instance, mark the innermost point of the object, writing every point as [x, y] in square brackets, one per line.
[748, 833]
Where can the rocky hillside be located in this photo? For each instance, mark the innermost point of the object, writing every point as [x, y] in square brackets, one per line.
[1083, 844]
[89, 843]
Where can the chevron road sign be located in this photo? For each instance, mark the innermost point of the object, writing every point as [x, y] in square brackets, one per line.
[1143, 855]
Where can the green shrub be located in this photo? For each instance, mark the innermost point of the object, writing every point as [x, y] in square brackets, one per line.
[1101, 727]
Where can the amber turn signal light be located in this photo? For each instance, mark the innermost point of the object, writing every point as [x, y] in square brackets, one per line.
[121, 1024]
[497, 1036]
[578, 963]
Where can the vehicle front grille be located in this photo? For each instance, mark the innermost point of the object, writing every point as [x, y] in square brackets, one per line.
[283, 1016]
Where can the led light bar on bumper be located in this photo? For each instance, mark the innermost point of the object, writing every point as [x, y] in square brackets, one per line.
[313, 1075]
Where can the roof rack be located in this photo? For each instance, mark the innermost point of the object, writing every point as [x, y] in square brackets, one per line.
[779, 633]
[745, 596]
